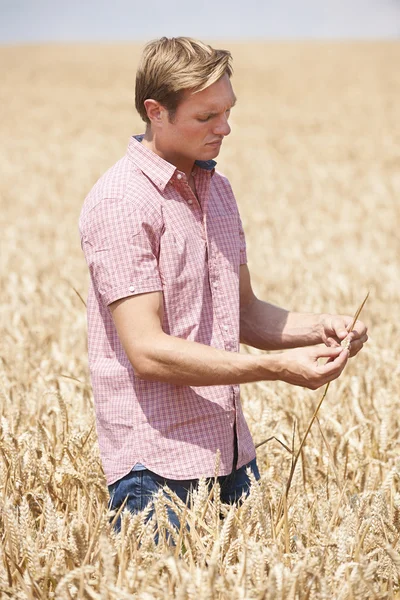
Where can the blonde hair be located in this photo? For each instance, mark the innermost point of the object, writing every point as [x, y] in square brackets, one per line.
[170, 66]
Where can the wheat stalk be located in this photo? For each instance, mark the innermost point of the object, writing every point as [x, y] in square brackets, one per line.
[345, 343]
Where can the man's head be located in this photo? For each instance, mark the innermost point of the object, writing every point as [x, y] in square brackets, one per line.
[184, 94]
[169, 67]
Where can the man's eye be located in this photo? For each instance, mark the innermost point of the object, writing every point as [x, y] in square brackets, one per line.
[204, 119]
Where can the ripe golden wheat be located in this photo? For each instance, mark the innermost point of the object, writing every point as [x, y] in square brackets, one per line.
[314, 159]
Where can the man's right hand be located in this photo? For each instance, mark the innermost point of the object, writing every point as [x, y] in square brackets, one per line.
[300, 366]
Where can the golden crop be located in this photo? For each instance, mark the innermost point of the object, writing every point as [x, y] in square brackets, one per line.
[314, 160]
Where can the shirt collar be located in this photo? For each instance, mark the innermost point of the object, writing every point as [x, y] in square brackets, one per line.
[158, 170]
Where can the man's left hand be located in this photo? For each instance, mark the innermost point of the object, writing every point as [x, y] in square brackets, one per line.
[336, 328]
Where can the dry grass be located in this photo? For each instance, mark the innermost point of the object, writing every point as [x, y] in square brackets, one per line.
[315, 162]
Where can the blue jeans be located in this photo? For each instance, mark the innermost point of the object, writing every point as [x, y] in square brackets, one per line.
[139, 486]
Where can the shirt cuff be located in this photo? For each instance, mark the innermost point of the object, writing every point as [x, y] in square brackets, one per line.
[132, 289]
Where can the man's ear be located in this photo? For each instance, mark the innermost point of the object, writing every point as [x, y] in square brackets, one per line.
[154, 111]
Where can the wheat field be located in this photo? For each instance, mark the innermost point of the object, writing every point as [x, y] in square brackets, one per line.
[314, 160]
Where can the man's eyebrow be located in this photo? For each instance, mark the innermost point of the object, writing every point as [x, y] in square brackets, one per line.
[213, 112]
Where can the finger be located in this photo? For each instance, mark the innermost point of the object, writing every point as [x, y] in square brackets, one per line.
[335, 366]
[332, 342]
[357, 338]
[340, 326]
[357, 334]
[327, 351]
[357, 344]
[353, 335]
[342, 334]
[350, 337]
[360, 328]
[355, 348]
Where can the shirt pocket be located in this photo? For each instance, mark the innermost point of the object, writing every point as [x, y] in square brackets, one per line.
[182, 256]
[224, 239]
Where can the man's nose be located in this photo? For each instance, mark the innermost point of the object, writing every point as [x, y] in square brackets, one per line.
[222, 127]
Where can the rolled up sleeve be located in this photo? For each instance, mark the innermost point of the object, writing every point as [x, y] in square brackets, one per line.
[121, 246]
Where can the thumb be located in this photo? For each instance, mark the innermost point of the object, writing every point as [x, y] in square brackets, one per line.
[330, 351]
[342, 334]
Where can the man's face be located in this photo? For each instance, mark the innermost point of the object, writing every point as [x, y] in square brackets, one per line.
[200, 123]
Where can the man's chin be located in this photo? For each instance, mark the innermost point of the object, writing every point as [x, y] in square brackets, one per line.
[211, 152]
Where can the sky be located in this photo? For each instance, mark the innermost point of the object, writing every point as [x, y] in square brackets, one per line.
[25, 21]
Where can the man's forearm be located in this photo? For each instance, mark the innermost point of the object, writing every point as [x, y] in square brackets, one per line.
[270, 327]
[182, 362]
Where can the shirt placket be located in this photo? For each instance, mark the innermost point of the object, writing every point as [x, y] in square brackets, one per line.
[219, 304]
[202, 182]
[181, 185]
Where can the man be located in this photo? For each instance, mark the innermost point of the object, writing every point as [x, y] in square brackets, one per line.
[171, 296]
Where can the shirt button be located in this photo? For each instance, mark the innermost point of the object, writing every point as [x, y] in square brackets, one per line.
[131, 288]
[226, 327]
[215, 284]
[179, 176]
[190, 201]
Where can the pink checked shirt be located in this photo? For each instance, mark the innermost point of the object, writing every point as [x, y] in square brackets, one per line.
[143, 230]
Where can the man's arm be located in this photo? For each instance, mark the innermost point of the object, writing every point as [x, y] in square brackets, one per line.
[156, 356]
[269, 327]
